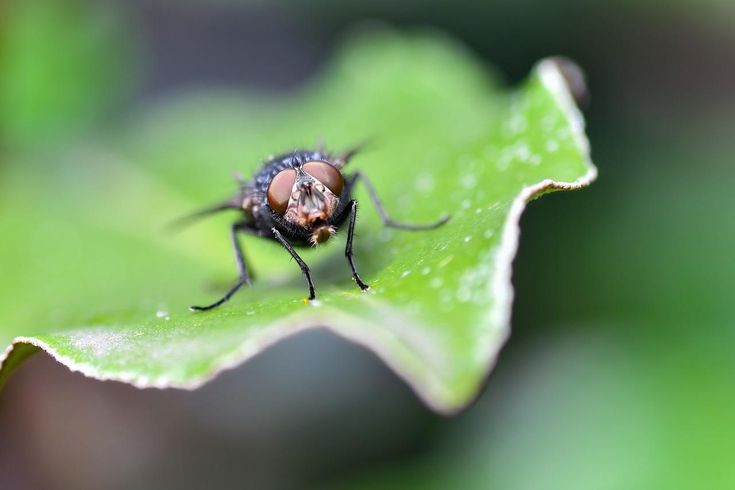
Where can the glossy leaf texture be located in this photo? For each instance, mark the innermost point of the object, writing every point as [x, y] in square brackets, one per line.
[91, 276]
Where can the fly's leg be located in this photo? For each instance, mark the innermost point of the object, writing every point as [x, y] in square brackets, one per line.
[184, 221]
[302, 264]
[387, 220]
[242, 268]
[348, 247]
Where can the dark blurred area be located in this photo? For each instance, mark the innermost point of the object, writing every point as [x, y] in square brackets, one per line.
[620, 369]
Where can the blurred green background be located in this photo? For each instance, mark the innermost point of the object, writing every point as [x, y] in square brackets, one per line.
[619, 373]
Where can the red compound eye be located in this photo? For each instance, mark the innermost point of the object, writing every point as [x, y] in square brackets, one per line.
[327, 175]
[279, 192]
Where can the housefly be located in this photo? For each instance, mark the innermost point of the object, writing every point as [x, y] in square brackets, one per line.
[299, 199]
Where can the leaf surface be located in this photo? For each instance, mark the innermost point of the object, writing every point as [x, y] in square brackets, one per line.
[90, 277]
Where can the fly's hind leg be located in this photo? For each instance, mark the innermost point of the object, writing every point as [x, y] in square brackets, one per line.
[242, 268]
[348, 246]
[387, 220]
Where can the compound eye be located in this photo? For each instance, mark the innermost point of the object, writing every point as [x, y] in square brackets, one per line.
[279, 191]
[327, 175]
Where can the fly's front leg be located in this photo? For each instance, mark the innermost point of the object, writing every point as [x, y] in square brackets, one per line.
[302, 264]
[348, 247]
[242, 268]
[387, 220]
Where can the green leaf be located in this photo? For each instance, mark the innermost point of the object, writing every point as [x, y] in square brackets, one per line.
[90, 277]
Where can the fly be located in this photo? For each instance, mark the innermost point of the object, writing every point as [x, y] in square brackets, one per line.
[299, 199]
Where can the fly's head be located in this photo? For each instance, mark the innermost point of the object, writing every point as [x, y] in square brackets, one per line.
[307, 196]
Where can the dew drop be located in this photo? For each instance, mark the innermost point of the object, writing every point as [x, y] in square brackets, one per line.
[468, 181]
[446, 260]
[517, 124]
[425, 182]
[548, 122]
[464, 294]
[523, 152]
[562, 133]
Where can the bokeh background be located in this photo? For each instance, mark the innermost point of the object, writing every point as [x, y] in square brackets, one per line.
[619, 373]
